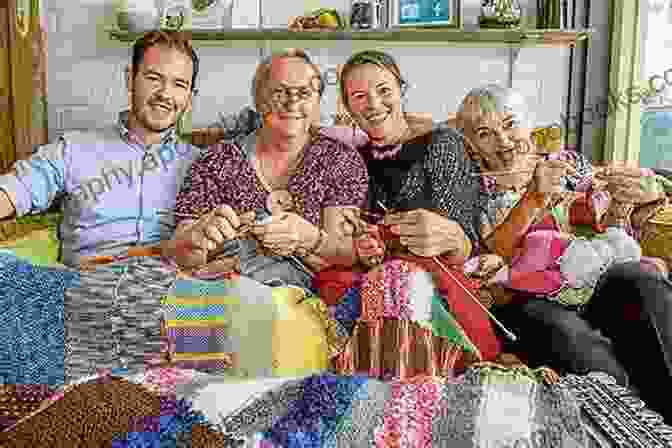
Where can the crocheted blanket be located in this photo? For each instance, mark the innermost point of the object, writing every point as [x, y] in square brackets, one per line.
[488, 406]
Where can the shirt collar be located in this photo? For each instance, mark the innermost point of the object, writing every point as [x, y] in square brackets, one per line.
[169, 136]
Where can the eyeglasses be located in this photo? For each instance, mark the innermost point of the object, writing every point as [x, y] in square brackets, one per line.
[282, 95]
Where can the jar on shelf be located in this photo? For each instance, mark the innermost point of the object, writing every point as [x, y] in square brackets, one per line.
[500, 14]
[369, 14]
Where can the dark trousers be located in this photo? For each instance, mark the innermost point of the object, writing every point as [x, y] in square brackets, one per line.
[625, 330]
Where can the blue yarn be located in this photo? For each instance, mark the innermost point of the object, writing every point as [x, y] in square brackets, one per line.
[348, 310]
[313, 419]
[31, 321]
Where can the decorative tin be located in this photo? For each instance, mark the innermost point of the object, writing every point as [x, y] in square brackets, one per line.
[362, 15]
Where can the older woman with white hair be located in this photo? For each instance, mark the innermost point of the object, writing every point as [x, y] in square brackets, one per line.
[568, 297]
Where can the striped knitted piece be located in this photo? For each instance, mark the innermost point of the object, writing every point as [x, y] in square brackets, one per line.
[245, 328]
[195, 317]
[31, 322]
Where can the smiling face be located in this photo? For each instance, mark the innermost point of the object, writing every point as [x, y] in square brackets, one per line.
[160, 91]
[497, 138]
[373, 98]
[290, 97]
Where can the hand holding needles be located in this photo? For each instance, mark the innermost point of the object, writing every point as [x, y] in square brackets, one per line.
[230, 247]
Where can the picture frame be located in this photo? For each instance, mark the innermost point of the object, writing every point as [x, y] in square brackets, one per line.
[425, 13]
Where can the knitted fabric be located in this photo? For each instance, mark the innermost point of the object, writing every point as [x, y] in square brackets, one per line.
[114, 413]
[90, 414]
[489, 406]
[245, 328]
[17, 401]
[31, 322]
[121, 305]
[403, 323]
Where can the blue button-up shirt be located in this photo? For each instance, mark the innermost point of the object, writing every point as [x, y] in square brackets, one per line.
[116, 191]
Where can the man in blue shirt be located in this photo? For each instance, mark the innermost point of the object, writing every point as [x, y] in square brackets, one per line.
[117, 185]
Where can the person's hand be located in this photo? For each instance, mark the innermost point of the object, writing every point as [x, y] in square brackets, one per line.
[369, 246]
[628, 185]
[214, 228]
[549, 176]
[425, 233]
[284, 233]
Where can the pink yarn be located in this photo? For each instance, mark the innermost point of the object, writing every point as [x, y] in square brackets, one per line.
[410, 413]
[540, 251]
[536, 269]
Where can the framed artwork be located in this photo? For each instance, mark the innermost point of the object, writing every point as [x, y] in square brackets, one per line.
[423, 13]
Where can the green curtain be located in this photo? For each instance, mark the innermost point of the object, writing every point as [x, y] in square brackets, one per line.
[622, 137]
[23, 80]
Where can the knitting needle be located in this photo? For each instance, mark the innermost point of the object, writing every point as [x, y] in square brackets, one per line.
[501, 173]
[509, 334]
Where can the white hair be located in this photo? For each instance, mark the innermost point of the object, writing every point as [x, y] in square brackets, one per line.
[495, 98]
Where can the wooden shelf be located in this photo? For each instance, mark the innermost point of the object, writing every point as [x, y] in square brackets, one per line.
[488, 37]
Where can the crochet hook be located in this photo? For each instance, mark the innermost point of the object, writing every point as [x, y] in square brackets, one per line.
[509, 334]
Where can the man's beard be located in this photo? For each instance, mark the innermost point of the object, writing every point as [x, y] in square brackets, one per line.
[143, 120]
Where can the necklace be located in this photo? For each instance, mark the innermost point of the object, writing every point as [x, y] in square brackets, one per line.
[279, 198]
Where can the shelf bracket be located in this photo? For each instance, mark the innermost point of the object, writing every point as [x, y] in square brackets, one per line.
[514, 52]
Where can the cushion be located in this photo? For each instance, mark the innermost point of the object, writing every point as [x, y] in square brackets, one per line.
[39, 247]
[656, 235]
[244, 328]
[32, 238]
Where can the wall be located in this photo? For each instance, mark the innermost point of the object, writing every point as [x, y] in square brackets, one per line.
[86, 83]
